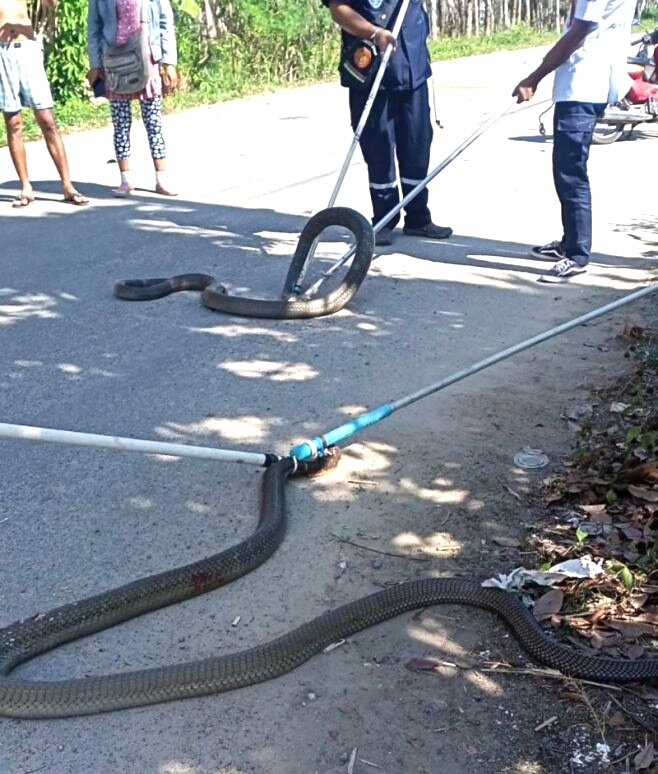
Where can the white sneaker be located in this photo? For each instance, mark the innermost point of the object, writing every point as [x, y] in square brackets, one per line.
[563, 271]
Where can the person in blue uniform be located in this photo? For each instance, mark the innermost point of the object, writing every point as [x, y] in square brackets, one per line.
[399, 127]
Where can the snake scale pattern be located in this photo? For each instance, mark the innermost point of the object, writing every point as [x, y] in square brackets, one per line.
[291, 307]
[24, 640]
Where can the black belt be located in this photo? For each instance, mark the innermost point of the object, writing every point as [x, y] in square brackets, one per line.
[12, 45]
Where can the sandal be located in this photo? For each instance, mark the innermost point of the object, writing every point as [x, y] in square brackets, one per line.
[160, 189]
[22, 201]
[76, 199]
[123, 191]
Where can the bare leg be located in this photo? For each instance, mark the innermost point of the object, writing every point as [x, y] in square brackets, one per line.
[14, 126]
[51, 135]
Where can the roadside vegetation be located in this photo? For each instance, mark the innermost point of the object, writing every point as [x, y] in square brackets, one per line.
[231, 49]
[602, 507]
[234, 48]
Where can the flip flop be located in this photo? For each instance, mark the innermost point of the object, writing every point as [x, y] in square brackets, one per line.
[22, 201]
[76, 199]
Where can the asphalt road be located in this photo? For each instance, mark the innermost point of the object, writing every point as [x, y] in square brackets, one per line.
[75, 521]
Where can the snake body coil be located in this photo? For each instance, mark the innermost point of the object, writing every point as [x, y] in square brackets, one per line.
[27, 639]
[215, 296]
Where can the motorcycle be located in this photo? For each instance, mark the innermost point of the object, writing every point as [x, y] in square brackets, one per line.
[640, 105]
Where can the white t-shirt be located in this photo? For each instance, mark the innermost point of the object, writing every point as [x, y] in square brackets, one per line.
[596, 71]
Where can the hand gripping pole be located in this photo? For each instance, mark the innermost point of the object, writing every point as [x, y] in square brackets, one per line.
[297, 287]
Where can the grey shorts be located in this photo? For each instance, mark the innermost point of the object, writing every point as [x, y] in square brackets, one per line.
[23, 79]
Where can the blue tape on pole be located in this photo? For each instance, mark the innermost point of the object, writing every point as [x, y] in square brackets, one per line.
[358, 423]
[307, 450]
[311, 448]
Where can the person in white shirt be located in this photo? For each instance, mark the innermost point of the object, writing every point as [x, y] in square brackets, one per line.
[589, 62]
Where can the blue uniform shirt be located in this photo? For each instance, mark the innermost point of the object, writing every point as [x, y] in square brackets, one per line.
[409, 66]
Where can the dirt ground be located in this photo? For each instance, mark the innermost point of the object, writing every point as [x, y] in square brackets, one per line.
[433, 490]
[464, 710]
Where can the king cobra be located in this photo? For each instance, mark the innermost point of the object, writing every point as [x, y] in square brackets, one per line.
[89, 695]
[214, 295]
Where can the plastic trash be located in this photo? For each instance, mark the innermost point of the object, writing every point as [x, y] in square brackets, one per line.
[531, 458]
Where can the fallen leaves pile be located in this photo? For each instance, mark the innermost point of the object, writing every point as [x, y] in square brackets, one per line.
[605, 507]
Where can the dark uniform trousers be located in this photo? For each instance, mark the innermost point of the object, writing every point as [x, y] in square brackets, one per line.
[399, 125]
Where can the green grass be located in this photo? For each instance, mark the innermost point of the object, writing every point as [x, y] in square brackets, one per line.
[517, 37]
[650, 16]
[224, 78]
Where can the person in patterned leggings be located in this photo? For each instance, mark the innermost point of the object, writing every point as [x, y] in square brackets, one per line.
[115, 22]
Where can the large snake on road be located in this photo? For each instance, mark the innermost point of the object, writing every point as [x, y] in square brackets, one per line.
[88, 695]
[214, 295]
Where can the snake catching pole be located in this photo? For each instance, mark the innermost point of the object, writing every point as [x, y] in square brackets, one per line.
[367, 108]
[312, 290]
[118, 443]
[318, 445]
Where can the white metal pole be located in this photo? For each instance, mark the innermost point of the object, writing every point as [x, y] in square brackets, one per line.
[414, 192]
[117, 443]
[369, 102]
[311, 448]
[355, 140]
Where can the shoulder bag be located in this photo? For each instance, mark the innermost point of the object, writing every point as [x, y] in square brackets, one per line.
[127, 67]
